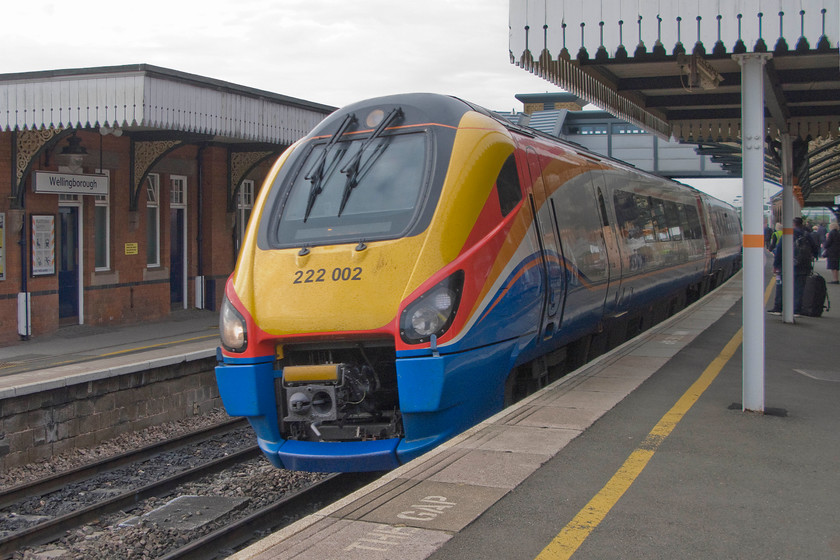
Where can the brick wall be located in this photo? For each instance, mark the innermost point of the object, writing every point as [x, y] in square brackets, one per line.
[127, 290]
[37, 426]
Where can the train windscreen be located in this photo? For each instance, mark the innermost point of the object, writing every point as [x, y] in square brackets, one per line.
[354, 190]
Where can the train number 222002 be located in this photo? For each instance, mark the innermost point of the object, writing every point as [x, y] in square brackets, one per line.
[322, 275]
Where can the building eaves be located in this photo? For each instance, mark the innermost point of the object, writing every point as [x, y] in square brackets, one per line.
[147, 96]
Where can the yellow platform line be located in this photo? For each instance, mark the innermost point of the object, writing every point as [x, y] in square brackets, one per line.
[575, 533]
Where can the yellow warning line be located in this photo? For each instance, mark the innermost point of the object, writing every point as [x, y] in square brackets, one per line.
[572, 536]
[575, 533]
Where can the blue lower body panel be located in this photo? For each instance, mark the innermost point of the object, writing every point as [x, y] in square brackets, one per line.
[351, 456]
[440, 396]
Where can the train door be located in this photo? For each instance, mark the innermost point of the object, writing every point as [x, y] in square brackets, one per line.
[610, 241]
[551, 251]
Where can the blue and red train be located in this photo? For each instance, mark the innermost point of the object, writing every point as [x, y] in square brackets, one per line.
[416, 262]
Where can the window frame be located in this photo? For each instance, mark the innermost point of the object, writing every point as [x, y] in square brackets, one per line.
[100, 201]
[244, 205]
[153, 203]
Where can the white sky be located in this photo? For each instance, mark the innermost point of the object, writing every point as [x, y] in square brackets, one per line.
[329, 51]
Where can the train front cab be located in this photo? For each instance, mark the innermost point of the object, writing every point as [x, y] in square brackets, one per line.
[447, 381]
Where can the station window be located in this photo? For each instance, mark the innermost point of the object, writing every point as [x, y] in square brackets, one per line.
[178, 191]
[102, 229]
[244, 205]
[153, 220]
[626, 128]
[588, 129]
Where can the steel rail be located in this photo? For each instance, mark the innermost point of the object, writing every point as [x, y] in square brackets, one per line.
[48, 484]
[55, 528]
[274, 516]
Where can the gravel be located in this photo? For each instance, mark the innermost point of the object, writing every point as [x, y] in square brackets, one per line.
[257, 481]
[135, 440]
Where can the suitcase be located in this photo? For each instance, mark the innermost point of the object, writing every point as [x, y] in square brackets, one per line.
[814, 297]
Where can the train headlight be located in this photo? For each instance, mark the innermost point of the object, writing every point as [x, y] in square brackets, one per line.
[232, 328]
[433, 312]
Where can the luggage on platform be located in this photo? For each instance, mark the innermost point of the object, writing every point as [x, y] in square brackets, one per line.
[815, 297]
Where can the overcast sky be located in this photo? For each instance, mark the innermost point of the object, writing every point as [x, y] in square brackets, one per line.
[328, 51]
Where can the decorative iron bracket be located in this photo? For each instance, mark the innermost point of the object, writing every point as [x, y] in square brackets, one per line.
[27, 146]
[240, 163]
[144, 156]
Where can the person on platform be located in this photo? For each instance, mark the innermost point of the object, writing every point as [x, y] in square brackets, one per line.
[817, 238]
[775, 237]
[832, 251]
[802, 267]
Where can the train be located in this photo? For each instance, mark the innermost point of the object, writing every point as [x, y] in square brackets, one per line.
[416, 263]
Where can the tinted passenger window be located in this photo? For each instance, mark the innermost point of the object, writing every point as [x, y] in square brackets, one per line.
[507, 185]
[580, 231]
[695, 231]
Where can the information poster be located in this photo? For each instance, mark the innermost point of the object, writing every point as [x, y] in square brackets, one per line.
[43, 245]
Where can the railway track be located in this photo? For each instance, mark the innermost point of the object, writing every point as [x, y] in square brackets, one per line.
[105, 518]
[48, 484]
[272, 517]
[50, 529]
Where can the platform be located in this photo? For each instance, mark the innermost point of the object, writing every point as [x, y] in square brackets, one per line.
[643, 453]
[87, 353]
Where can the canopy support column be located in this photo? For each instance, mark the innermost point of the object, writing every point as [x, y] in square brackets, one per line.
[787, 227]
[752, 147]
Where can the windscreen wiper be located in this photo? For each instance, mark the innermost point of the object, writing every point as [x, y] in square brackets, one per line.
[316, 172]
[352, 168]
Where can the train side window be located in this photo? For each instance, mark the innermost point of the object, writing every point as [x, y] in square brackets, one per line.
[602, 206]
[580, 231]
[695, 231]
[660, 224]
[672, 218]
[507, 186]
[628, 217]
[644, 218]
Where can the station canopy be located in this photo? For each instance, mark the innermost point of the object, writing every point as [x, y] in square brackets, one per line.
[670, 68]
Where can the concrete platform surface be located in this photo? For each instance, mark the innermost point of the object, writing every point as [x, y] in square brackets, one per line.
[84, 353]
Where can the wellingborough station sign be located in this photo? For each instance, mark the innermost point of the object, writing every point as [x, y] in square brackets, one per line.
[70, 183]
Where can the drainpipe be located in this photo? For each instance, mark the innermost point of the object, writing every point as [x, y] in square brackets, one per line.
[199, 278]
[18, 208]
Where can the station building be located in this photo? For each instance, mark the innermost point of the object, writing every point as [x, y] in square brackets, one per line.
[124, 191]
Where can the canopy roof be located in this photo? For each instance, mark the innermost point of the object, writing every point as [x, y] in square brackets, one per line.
[671, 68]
[149, 97]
